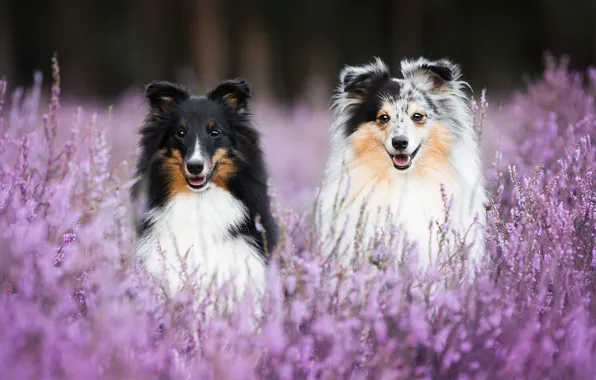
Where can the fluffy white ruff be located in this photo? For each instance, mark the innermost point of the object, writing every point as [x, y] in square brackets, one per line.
[402, 212]
[399, 213]
[193, 230]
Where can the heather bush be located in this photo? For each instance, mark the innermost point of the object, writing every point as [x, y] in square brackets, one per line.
[74, 304]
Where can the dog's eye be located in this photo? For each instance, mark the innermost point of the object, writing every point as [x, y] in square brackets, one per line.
[417, 117]
[181, 133]
[214, 133]
[383, 119]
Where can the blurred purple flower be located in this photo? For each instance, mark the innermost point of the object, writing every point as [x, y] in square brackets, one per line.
[74, 304]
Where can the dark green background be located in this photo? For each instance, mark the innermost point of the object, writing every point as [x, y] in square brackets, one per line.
[107, 46]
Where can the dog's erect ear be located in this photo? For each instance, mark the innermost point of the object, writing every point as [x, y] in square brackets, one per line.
[444, 70]
[357, 81]
[233, 92]
[161, 95]
[439, 73]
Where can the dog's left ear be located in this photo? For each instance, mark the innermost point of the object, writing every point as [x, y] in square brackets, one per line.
[440, 73]
[233, 92]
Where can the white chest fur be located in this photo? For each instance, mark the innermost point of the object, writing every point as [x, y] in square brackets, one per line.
[396, 213]
[191, 234]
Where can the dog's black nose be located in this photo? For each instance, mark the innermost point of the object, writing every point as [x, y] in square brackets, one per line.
[400, 142]
[195, 167]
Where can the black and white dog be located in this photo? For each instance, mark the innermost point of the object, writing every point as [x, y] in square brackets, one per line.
[203, 176]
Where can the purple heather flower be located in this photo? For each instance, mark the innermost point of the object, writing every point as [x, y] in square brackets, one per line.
[75, 304]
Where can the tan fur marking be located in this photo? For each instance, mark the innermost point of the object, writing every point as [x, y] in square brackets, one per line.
[176, 180]
[231, 99]
[436, 155]
[183, 124]
[225, 169]
[438, 84]
[369, 148]
[443, 88]
[385, 110]
[380, 113]
[372, 167]
[415, 108]
[211, 125]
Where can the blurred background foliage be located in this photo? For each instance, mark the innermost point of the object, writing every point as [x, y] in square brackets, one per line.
[289, 50]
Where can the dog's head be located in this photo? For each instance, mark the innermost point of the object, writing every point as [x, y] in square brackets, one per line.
[194, 136]
[399, 120]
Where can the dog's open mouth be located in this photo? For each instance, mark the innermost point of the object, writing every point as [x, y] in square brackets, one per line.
[402, 161]
[196, 182]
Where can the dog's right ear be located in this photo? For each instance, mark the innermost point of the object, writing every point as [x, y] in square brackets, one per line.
[356, 81]
[161, 95]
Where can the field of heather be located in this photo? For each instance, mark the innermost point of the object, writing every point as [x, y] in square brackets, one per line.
[74, 305]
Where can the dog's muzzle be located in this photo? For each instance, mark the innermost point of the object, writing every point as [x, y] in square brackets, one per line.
[197, 174]
[402, 161]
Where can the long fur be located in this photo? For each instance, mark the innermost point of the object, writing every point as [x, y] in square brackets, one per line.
[206, 236]
[365, 200]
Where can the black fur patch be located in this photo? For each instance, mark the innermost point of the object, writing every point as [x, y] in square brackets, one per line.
[360, 84]
[367, 109]
[430, 102]
[442, 71]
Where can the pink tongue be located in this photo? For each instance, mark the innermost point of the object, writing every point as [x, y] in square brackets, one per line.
[401, 159]
[197, 181]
